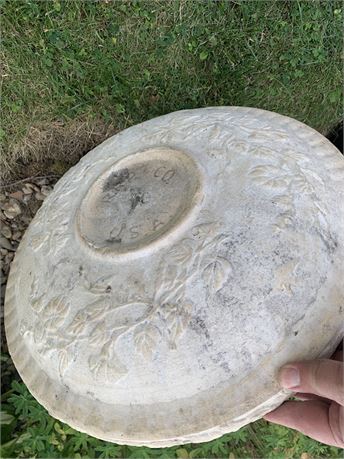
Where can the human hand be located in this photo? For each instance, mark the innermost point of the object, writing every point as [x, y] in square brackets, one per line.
[319, 384]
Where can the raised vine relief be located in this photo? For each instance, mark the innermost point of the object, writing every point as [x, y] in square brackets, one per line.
[287, 179]
[149, 320]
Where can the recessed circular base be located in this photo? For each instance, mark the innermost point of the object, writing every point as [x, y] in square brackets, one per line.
[138, 200]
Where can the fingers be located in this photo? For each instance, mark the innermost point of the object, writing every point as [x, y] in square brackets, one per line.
[320, 377]
[338, 355]
[313, 418]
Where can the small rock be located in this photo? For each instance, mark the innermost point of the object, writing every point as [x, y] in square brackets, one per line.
[11, 208]
[17, 235]
[39, 196]
[9, 257]
[42, 181]
[6, 231]
[15, 245]
[26, 219]
[17, 195]
[2, 197]
[5, 244]
[27, 189]
[35, 187]
[32, 186]
[3, 251]
[46, 190]
[27, 198]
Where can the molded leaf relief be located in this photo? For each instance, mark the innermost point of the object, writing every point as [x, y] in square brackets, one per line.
[289, 178]
[218, 132]
[216, 273]
[165, 315]
[148, 319]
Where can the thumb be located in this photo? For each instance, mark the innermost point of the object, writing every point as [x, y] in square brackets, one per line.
[320, 377]
[315, 418]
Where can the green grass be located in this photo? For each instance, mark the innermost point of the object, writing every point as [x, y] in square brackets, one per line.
[29, 431]
[124, 62]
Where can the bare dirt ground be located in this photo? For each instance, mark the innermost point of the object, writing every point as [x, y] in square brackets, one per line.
[51, 148]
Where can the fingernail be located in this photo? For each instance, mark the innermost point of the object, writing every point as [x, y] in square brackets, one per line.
[289, 377]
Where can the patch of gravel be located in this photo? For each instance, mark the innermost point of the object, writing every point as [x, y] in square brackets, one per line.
[19, 203]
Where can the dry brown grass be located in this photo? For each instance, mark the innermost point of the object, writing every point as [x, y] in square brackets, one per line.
[52, 148]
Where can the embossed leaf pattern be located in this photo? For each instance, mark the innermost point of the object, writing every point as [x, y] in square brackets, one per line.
[145, 339]
[177, 318]
[128, 315]
[283, 221]
[262, 152]
[96, 310]
[37, 303]
[177, 327]
[34, 288]
[294, 178]
[216, 273]
[215, 132]
[85, 317]
[283, 200]
[221, 138]
[39, 333]
[203, 230]
[265, 171]
[301, 184]
[170, 283]
[294, 156]
[100, 286]
[264, 133]
[104, 369]
[315, 177]
[64, 358]
[321, 207]
[37, 240]
[270, 176]
[172, 294]
[214, 242]
[79, 323]
[36, 297]
[52, 324]
[168, 277]
[98, 334]
[96, 365]
[276, 183]
[57, 306]
[56, 241]
[237, 147]
[181, 253]
[166, 314]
